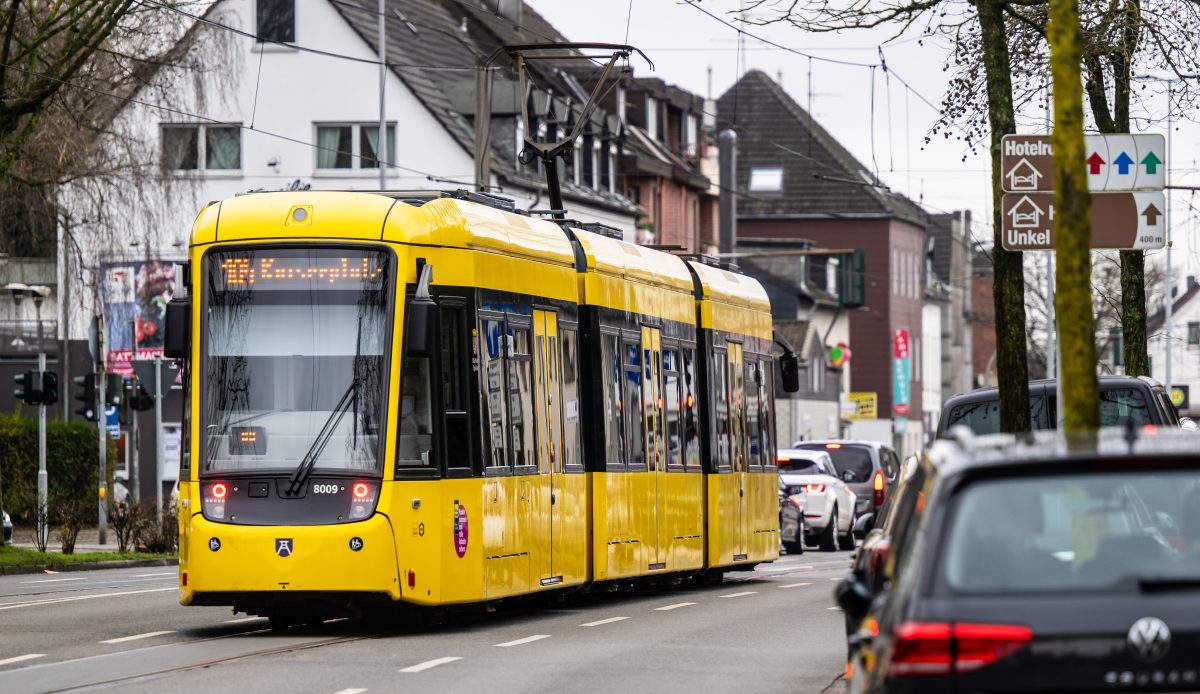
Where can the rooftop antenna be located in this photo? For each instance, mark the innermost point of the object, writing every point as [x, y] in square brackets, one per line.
[547, 152]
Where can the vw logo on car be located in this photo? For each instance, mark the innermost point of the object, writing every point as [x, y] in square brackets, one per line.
[1149, 639]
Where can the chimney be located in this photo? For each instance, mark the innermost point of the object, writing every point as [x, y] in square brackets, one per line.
[727, 200]
[1191, 282]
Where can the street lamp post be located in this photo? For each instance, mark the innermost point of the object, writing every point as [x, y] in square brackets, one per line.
[38, 294]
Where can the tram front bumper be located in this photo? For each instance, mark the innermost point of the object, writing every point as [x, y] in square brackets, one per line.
[224, 558]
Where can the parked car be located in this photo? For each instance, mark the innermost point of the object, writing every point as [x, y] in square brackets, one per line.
[869, 468]
[792, 528]
[8, 528]
[1025, 566]
[829, 504]
[1123, 399]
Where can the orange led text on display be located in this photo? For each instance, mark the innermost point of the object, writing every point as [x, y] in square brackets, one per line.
[240, 271]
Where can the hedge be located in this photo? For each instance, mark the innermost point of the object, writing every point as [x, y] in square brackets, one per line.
[71, 465]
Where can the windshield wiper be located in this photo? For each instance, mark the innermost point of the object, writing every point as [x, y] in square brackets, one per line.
[304, 469]
[1155, 584]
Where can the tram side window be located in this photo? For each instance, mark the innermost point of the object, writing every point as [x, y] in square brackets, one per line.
[493, 391]
[454, 396]
[570, 397]
[520, 398]
[614, 426]
[754, 451]
[674, 447]
[691, 421]
[721, 396]
[415, 447]
[635, 451]
[766, 414]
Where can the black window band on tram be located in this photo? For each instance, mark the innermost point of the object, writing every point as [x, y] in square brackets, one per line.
[294, 341]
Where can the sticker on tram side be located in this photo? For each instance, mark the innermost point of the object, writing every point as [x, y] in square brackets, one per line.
[460, 529]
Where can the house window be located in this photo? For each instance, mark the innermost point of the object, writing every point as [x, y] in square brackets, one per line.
[275, 20]
[1194, 333]
[596, 172]
[338, 144]
[691, 136]
[652, 117]
[766, 180]
[202, 147]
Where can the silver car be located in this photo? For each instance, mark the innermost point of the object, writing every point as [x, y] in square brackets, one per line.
[829, 503]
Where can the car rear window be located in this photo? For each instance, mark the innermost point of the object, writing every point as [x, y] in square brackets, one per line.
[983, 417]
[1089, 531]
[853, 463]
[801, 465]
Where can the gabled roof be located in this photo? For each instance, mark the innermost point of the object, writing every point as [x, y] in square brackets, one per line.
[454, 34]
[821, 178]
[1156, 322]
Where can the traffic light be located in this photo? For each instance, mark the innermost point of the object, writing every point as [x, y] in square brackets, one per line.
[85, 395]
[28, 388]
[137, 397]
[49, 388]
[114, 389]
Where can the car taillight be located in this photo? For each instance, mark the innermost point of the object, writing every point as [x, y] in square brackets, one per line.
[212, 499]
[814, 488]
[938, 648]
[362, 499]
[877, 485]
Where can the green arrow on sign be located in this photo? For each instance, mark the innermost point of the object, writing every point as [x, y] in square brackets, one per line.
[1151, 162]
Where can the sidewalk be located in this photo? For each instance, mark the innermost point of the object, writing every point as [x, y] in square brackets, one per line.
[88, 540]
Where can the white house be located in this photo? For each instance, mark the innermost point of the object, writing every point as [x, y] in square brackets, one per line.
[1185, 346]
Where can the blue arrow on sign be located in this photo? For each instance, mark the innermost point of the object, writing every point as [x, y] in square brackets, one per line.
[1123, 163]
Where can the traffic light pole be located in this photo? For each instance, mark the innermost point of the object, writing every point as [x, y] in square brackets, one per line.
[102, 425]
[43, 529]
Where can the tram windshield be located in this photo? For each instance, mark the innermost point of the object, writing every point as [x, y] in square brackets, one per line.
[294, 358]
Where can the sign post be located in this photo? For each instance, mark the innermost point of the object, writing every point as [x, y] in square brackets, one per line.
[162, 375]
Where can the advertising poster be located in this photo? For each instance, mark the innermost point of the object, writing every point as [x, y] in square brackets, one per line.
[135, 305]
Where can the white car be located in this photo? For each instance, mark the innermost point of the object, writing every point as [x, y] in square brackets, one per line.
[829, 504]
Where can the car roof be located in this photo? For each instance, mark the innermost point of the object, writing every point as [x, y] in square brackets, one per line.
[807, 454]
[1046, 385]
[844, 442]
[963, 451]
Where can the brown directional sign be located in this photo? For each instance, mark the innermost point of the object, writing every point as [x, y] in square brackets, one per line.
[1116, 162]
[1119, 221]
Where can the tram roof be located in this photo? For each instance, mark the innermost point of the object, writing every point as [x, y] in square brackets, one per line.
[611, 256]
[728, 287]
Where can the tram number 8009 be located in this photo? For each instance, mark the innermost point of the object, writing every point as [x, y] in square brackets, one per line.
[325, 489]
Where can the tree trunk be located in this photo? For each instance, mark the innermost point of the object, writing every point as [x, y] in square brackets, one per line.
[1072, 225]
[1008, 280]
[1133, 263]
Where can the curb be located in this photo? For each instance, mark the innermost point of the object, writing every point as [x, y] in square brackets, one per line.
[88, 566]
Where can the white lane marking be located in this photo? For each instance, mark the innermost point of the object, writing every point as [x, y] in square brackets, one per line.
[55, 580]
[164, 573]
[22, 658]
[527, 639]
[738, 595]
[350, 691]
[47, 601]
[835, 608]
[676, 606]
[241, 620]
[135, 637]
[836, 578]
[784, 568]
[425, 666]
[598, 622]
[795, 585]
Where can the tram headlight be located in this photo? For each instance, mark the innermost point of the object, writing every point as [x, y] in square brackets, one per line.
[212, 498]
[363, 496]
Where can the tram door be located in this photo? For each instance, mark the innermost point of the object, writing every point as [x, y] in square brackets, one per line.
[548, 401]
[656, 459]
[737, 447]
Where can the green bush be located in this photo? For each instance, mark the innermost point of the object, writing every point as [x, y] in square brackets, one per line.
[71, 466]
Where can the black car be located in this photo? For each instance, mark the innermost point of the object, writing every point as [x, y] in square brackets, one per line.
[1123, 399]
[1029, 567]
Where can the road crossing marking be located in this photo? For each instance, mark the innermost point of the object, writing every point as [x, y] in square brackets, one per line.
[73, 598]
[22, 658]
[135, 637]
[241, 620]
[785, 568]
[164, 573]
[422, 666]
[738, 595]
[55, 580]
[598, 622]
[795, 585]
[676, 606]
[350, 691]
[527, 639]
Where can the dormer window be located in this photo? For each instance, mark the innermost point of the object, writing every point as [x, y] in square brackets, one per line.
[652, 117]
[766, 180]
[275, 20]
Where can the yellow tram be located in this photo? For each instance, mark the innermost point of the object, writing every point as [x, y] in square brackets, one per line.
[433, 399]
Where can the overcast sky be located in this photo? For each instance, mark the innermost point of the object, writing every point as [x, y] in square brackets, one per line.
[684, 44]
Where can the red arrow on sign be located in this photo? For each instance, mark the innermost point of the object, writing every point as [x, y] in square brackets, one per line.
[1151, 214]
[1094, 163]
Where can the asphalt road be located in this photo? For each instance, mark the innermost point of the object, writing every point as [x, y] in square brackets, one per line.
[770, 630]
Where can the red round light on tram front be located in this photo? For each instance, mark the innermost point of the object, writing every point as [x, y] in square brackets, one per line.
[219, 490]
[360, 490]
